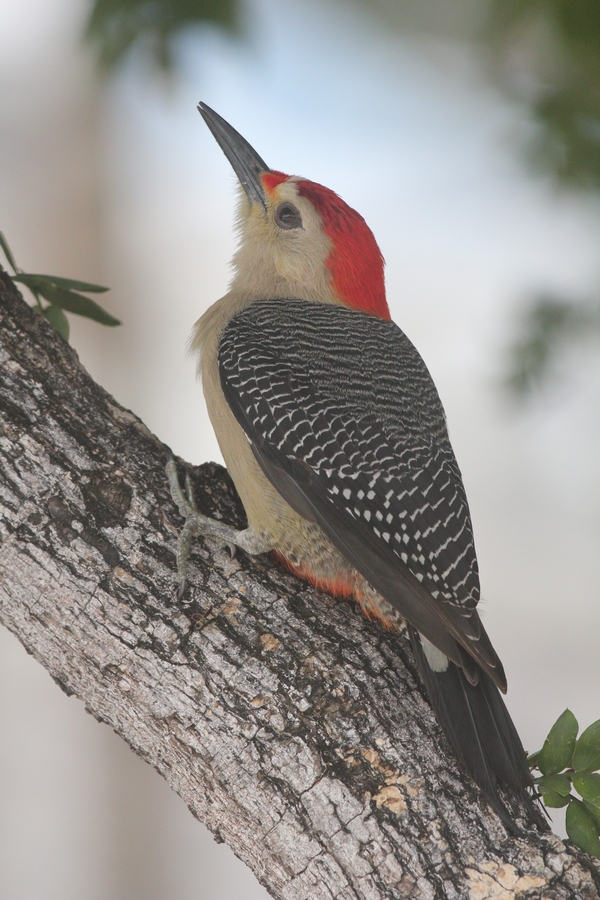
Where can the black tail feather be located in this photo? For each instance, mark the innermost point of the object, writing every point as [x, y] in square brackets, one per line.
[481, 734]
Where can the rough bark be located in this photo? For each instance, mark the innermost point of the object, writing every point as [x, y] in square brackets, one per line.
[290, 725]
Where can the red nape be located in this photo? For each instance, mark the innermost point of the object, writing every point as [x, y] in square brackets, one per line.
[355, 261]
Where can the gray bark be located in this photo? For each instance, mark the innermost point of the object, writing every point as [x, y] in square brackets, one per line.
[292, 727]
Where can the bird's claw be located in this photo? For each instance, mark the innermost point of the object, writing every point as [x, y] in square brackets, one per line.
[189, 491]
[195, 523]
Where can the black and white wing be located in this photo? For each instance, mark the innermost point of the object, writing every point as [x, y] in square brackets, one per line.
[346, 422]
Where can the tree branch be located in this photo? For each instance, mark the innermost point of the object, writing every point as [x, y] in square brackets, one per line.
[290, 725]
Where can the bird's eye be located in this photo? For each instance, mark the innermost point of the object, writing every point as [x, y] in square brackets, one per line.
[287, 216]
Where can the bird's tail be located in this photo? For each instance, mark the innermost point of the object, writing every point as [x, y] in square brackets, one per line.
[482, 735]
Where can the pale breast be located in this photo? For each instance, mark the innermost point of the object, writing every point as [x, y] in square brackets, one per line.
[301, 542]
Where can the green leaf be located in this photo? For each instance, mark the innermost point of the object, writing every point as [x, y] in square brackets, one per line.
[589, 787]
[553, 798]
[58, 320]
[545, 327]
[581, 828]
[33, 282]
[532, 760]
[72, 302]
[8, 252]
[558, 747]
[594, 813]
[68, 283]
[559, 783]
[115, 27]
[586, 757]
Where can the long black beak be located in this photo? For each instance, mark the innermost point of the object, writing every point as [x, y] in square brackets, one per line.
[247, 164]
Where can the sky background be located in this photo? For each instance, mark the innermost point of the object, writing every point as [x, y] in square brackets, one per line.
[121, 183]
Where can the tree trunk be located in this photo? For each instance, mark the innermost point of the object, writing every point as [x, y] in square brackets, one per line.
[294, 728]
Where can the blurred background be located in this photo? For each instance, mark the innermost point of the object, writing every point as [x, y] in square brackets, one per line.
[468, 135]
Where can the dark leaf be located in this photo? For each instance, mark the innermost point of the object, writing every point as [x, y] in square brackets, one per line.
[545, 328]
[553, 798]
[581, 828]
[115, 25]
[586, 757]
[58, 320]
[8, 252]
[69, 283]
[567, 139]
[559, 783]
[75, 303]
[558, 747]
[594, 813]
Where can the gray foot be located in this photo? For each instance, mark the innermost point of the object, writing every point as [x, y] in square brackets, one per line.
[197, 524]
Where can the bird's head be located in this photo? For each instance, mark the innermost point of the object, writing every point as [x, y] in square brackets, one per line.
[298, 238]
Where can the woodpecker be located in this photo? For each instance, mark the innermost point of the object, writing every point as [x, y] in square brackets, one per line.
[335, 437]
